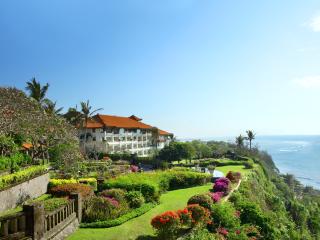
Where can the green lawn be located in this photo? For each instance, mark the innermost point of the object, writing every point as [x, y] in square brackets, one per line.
[234, 168]
[140, 226]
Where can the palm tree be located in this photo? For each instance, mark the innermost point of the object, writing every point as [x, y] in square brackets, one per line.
[50, 107]
[240, 141]
[87, 113]
[36, 91]
[250, 136]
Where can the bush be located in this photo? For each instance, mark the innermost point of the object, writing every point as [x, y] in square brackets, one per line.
[216, 196]
[222, 185]
[100, 209]
[54, 203]
[66, 189]
[135, 199]
[234, 177]
[185, 217]
[86, 181]
[120, 220]
[166, 224]
[203, 200]
[203, 234]
[200, 215]
[224, 215]
[248, 165]
[184, 179]
[21, 176]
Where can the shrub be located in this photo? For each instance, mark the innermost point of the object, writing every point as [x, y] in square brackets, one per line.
[185, 217]
[54, 203]
[234, 177]
[216, 196]
[166, 224]
[135, 199]
[248, 165]
[100, 209]
[116, 197]
[200, 215]
[21, 176]
[66, 189]
[203, 200]
[222, 185]
[184, 179]
[56, 182]
[203, 234]
[134, 168]
[224, 215]
[120, 220]
[89, 181]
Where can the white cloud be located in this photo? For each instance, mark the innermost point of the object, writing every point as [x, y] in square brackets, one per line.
[315, 24]
[308, 81]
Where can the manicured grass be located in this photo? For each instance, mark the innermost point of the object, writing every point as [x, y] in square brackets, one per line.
[234, 168]
[140, 226]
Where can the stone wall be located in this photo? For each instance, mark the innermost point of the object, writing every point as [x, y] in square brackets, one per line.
[16, 195]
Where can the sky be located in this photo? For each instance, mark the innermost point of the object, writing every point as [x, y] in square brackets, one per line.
[197, 68]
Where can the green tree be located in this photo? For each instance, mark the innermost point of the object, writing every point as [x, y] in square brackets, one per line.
[250, 136]
[50, 107]
[73, 116]
[240, 141]
[36, 91]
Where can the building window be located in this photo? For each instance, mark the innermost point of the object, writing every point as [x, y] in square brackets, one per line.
[94, 139]
[93, 130]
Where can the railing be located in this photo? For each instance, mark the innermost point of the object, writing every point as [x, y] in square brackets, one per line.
[13, 226]
[57, 218]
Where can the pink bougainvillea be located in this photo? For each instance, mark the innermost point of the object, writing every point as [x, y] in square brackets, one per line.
[216, 196]
[134, 168]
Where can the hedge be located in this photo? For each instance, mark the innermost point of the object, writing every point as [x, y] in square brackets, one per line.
[22, 176]
[86, 181]
[151, 185]
[120, 220]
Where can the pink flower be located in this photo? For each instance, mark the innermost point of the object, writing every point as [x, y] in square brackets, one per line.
[222, 231]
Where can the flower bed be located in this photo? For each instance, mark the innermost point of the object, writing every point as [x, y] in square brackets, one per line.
[86, 181]
[122, 219]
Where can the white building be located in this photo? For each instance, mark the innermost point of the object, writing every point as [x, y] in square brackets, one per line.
[114, 134]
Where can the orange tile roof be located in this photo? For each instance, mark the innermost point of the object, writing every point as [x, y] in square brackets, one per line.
[99, 121]
[162, 132]
[27, 145]
[93, 123]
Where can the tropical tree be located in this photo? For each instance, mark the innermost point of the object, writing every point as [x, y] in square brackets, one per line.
[250, 136]
[73, 116]
[36, 91]
[87, 112]
[50, 107]
[240, 141]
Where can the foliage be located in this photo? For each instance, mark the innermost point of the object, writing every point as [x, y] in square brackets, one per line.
[185, 217]
[177, 151]
[202, 234]
[224, 214]
[135, 199]
[234, 177]
[222, 185]
[66, 189]
[101, 209]
[200, 215]
[23, 117]
[54, 203]
[86, 181]
[21, 176]
[151, 185]
[216, 196]
[166, 224]
[203, 200]
[120, 220]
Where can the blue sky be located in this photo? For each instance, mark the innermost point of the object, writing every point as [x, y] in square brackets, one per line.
[195, 68]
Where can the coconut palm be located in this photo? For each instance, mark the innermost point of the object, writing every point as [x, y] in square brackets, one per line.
[250, 136]
[36, 91]
[240, 141]
[50, 107]
[87, 113]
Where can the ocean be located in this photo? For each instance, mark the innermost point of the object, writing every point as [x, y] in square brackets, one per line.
[297, 155]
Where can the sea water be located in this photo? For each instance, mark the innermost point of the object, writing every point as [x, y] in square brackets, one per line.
[297, 155]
